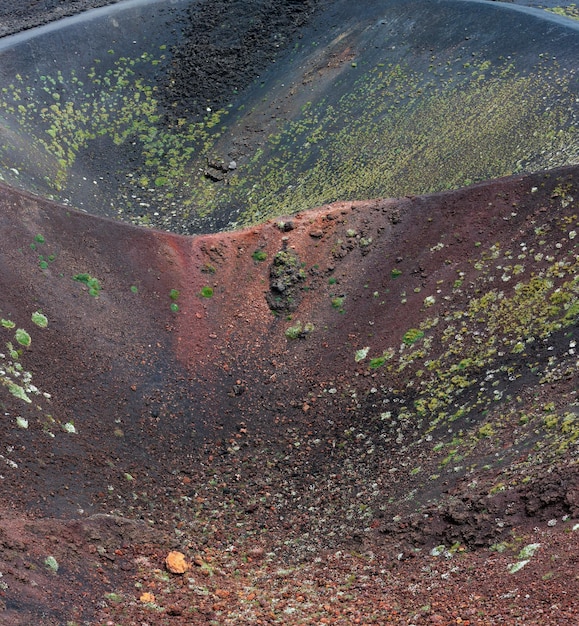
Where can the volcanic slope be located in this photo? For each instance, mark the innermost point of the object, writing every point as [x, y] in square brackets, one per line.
[369, 379]
[365, 413]
[195, 119]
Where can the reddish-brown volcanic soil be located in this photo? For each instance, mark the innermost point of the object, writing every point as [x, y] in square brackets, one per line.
[206, 430]
[302, 485]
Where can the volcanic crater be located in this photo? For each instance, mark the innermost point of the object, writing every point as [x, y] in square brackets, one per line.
[289, 314]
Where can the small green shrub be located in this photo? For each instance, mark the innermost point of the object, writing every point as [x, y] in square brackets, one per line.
[259, 255]
[361, 354]
[174, 295]
[412, 336]
[206, 292]
[297, 331]
[113, 597]
[18, 392]
[377, 362]
[22, 337]
[94, 287]
[486, 431]
[51, 563]
[39, 319]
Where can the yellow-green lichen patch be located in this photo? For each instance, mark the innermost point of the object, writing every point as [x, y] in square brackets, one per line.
[400, 131]
[108, 110]
[461, 370]
[397, 126]
[571, 11]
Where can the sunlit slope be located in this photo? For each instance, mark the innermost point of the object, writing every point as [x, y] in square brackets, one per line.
[374, 99]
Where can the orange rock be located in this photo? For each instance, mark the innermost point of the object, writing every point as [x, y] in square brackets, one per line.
[222, 593]
[147, 597]
[176, 563]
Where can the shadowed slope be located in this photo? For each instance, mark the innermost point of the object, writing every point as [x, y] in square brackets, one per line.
[370, 99]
